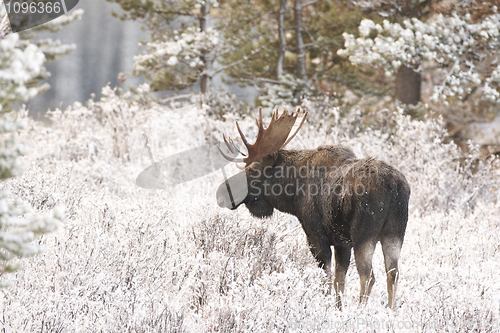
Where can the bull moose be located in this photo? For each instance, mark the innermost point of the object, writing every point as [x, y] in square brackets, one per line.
[340, 200]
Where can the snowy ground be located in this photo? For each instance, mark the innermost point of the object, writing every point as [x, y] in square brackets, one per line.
[136, 260]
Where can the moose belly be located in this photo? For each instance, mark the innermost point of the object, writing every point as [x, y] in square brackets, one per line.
[339, 234]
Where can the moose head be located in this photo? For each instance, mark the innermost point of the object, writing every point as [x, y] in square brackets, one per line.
[248, 186]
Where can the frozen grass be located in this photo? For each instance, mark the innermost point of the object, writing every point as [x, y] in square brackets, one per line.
[129, 259]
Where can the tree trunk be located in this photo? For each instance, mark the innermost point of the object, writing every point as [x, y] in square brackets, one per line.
[205, 9]
[282, 40]
[408, 82]
[408, 85]
[301, 57]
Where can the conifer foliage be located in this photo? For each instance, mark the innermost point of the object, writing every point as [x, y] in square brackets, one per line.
[22, 69]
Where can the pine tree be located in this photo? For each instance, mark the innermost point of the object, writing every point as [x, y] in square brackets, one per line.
[18, 227]
[183, 43]
[22, 58]
[290, 47]
[21, 70]
[461, 46]
[452, 43]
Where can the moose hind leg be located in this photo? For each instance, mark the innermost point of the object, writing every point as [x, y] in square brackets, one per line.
[391, 247]
[342, 260]
[363, 254]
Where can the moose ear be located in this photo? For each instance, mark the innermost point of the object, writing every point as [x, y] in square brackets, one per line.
[29, 14]
[275, 156]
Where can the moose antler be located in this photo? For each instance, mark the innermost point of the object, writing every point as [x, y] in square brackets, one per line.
[277, 135]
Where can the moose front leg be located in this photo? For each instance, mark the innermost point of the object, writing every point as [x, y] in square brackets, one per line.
[320, 249]
[342, 260]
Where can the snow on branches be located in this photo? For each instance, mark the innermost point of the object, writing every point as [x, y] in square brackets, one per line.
[57, 23]
[21, 69]
[22, 59]
[18, 227]
[183, 48]
[451, 42]
[18, 68]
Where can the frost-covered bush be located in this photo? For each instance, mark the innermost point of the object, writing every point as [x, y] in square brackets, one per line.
[130, 259]
[21, 69]
[18, 227]
[452, 42]
[289, 91]
[219, 103]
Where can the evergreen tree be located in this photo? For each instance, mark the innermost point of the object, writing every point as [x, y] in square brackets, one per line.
[285, 48]
[21, 70]
[22, 58]
[452, 43]
[18, 227]
[290, 45]
[183, 43]
[460, 46]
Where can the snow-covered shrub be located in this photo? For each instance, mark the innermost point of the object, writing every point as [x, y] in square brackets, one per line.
[172, 260]
[21, 69]
[18, 227]
[289, 91]
[218, 103]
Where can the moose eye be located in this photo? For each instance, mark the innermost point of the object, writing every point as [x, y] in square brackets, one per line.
[254, 182]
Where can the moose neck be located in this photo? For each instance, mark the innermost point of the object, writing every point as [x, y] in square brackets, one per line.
[286, 180]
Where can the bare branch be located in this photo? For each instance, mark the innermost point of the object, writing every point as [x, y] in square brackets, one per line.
[172, 12]
[310, 36]
[310, 3]
[213, 72]
[262, 79]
